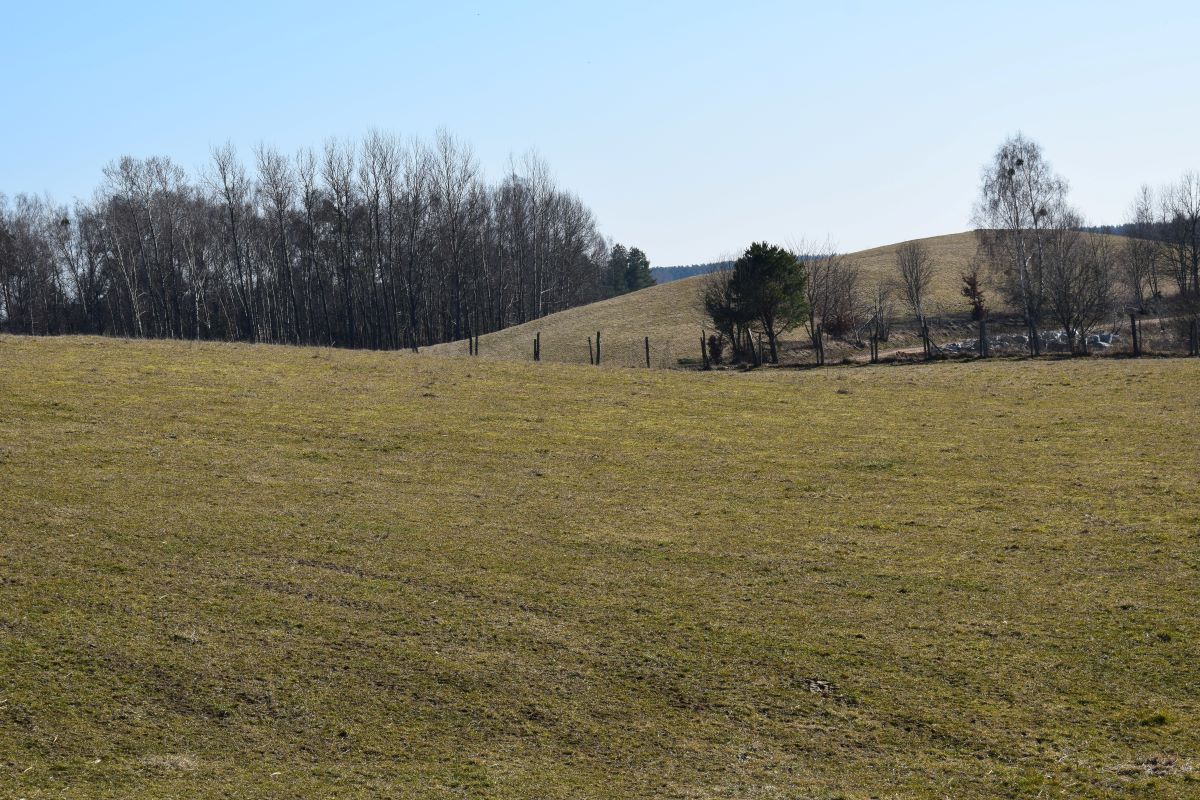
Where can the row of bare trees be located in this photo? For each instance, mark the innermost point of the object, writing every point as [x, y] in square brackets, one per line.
[381, 243]
[1034, 254]
[1047, 268]
[1165, 250]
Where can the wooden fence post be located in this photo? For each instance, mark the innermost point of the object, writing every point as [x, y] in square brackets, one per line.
[537, 346]
[591, 355]
[1133, 329]
[597, 348]
[704, 350]
[647, 352]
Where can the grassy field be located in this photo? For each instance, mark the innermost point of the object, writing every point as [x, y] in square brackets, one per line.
[266, 572]
[672, 315]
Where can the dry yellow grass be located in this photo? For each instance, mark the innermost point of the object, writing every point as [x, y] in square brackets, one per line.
[951, 256]
[273, 572]
[670, 314]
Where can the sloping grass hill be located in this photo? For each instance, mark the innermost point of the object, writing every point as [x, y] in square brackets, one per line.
[271, 572]
[672, 315]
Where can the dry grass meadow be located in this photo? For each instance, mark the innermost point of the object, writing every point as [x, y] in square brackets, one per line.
[271, 572]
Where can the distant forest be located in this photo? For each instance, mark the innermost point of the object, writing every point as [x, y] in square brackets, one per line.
[1156, 231]
[668, 274]
[381, 243]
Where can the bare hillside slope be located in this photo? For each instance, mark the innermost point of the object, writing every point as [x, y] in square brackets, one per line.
[672, 316]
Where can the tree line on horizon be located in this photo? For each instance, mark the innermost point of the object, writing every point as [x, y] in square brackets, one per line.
[381, 243]
[677, 273]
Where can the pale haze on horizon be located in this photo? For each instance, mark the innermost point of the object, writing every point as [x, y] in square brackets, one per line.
[690, 129]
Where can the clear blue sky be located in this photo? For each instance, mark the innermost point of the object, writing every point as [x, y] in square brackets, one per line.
[690, 128]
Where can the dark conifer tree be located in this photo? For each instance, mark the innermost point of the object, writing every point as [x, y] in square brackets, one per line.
[637, 271]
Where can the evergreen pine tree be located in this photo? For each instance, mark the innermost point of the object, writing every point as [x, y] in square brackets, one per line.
[767, 285]
[637, 271]
[618, 264]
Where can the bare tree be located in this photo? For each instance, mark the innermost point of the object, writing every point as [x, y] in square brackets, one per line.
[1017, 196]
[337, 173]
[277, 188]
[832, 292]
[228, 181]
[1080, 272]
[914, 265]
[1180, 219]
[31, 291]
[1142, 254]
[882, 308]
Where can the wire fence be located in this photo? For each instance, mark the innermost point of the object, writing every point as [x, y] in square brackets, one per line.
[1132, 335]
[598, 349]
[939, 338]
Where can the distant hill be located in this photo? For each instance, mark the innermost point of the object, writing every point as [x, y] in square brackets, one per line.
[672, 316]
[668, 274]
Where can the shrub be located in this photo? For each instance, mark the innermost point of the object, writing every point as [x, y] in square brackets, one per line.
[716, 347]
